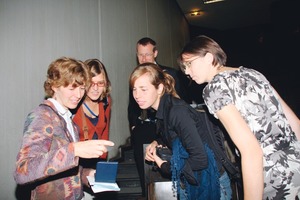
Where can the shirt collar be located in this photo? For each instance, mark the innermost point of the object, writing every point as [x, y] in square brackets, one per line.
[60, 109]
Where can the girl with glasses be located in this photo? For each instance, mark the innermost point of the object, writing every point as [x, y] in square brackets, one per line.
[93, 114]
[263, 127]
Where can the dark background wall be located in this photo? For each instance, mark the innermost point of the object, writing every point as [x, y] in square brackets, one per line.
[273, 49]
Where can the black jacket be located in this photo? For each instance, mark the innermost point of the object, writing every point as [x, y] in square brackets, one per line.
[176, 118]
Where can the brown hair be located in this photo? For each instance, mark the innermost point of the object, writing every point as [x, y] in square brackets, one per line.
[201, 45]
[65, 71]
[96, 67]
[157, 76]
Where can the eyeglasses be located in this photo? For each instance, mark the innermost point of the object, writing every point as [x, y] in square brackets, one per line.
[188, 64]
[99, 84]
[144, 55]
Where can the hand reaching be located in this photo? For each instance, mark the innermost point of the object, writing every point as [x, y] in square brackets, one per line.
[157, 159]
[149, 151]
[91, 148]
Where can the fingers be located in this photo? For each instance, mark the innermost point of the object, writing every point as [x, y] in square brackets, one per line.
[106, 142]
[104, 145]
[92, 172]
[149, 157]
[92, 148]
[101, 142]
[154, 152]
[149, 153]
[150, 150]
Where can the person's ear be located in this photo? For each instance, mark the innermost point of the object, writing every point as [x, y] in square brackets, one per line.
[54, 89]
[155, 53]
[208, 58]
[160, 88]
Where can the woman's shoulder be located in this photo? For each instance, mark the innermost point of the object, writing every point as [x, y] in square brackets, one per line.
[179, 106]
[45, 106]
[231, 74]
[241, 70]
[177, 102]
[42, 114]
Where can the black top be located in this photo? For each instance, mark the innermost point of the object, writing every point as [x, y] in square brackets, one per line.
[176, 118]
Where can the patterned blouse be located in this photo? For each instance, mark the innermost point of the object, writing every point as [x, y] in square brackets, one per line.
[46, 159]
[258, 104]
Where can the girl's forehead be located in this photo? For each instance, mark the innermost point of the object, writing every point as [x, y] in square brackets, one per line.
[145, 76]
[99, 76]
[143, 79]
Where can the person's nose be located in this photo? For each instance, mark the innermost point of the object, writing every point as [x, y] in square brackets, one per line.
[144, 59]
[187, 71]
[135, 94]
[79, 93]
[94, 87]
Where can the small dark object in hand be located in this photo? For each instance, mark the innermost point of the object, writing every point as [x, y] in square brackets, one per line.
[164, 153]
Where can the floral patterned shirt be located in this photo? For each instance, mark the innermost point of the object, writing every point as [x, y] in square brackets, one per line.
[255, 99]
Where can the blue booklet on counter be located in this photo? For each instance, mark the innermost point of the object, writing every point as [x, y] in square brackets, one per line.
[105, 177]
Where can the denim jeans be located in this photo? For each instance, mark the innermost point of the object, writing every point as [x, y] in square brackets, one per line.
[225, 189]
[182, 194]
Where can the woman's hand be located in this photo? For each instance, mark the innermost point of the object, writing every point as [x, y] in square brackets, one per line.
[149, 151]
[87, 172]
[157, 159]
[91, 148]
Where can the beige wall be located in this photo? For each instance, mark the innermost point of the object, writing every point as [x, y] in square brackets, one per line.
[35, 32]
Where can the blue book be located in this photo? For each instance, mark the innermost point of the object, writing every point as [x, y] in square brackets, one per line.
[106, 172]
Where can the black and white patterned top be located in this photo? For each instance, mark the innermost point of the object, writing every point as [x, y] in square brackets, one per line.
[255, 99]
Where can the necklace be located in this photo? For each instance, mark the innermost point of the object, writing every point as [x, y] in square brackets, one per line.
[89, 110]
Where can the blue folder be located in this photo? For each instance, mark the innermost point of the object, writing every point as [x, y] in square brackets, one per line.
[106, 172]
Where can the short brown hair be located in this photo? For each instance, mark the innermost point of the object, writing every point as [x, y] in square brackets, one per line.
[65, 71]
[201, 45]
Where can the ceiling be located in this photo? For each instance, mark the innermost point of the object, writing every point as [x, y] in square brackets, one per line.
[227, 14]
